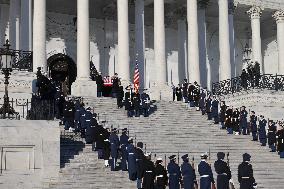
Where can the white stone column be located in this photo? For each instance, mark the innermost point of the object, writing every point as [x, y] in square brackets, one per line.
[232, 7]
[26, 25]
[39, 35]
[255, 14]
[193, 45]
[14, 17]
[224, 41]
[279, 17]
[140, 39]
[159, 42]
[83, 86]
[182, 47]
[123, 41]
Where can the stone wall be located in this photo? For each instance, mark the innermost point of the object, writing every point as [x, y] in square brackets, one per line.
[30, 153]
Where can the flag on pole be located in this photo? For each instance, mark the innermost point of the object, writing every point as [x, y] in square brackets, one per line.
[136, 76]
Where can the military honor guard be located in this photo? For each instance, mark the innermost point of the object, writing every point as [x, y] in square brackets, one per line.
[243, 120]
[253, 125]
[114, 146]
[245, 174]
[215, 106]
[205, 172]
[145, 99]
[229, 120]
[236, 121]
[161, 174]
[184, 90]
[188, 173]
[209, 107]
[202, 102]
[223, 171]
[280, 140]
[179, 92]
[262, 131]
[223, 110]
[140, 158]
[131, 159]
[149, 173]
[136, 104]
[106, 146]
[174, 173]
[123, 144]
[272, 135]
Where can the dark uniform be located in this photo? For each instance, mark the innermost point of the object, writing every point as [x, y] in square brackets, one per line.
[161, 175]
[136, 104]
[243, 121]
[272, 136]
[280, 142]
[196, 95]
[148, 173]
[174, 173]
[245, 173]
[223, 172]
[236, 121]
[262, 131]
[223, 109]
[131, 159]
[99, 139]
[120, 95]
[124, 142]
[209, 108]
[68, 114]
[229, 120]
[114, 146]
[184, 91]
[106, 149]
[190, 90]
[202, 102]
[140, 158]
[145, 98]
[253, 126]
[179, 93]
[206, 175]
[188, 173]
[215, 105]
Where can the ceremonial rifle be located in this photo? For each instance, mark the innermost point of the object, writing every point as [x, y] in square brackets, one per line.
[193, 166]
[231, 183]
[213, 186]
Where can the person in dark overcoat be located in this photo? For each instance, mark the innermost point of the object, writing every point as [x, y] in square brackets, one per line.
[188, 173]
[223, 109]
[174, 173]
[229, 120]
[106, 145]
[131, 159]
[253, 125]
[215, 106]
[179, 92]
[149, 173]
[280, 140]
[136, 104]
[272, 135]
[223, 171]
[262, 131]
[243, 120]
[140, 158]
[123, 144]
[245, 173]
[100, 84]
[114, 146]
[236, 121]
[161, 174]
[209, 107]
[202, 102]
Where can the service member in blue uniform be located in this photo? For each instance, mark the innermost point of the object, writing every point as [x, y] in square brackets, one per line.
[205, 172]
[245, 173]
[223, 171]
[272, 135]
[243, 120]
[236, 121]
[253, 125]
[161, 174]
[174, 173]
[114, 146]
[280, 140]
[262, 131]
[188, 173]
[209, 107]
[140, 158]
[149, 174]
[145, 98]
[202, 102]
[223, 110]
[124, 142]
[215, 106]
[131, 159]
[229, 120]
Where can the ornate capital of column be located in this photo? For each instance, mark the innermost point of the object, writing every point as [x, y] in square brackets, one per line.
[202, 4]
[232, 7]
[278, 16]
[181, 13]
[254, 12]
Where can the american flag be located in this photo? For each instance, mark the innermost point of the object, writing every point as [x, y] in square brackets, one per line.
[136, 77]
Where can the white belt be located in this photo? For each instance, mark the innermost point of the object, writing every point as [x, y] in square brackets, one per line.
[149, 171]
[88, 120]
[160, 176]
[131, 154]
[223, 174]
[203, 176]
[245, 177]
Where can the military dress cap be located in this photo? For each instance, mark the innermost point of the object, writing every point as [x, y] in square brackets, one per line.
[246, 157]
[130, 139]
[172, 157]
[204, 156]
[124, 129]
[114, 129]
[159, 159]
[253, 112]
[243, 107]
[147, 154]
[88, 108]
[140, 144]
[184, 157]
[220, 155]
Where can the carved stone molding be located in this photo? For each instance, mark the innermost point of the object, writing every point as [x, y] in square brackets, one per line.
[278, 16]
[254, 12]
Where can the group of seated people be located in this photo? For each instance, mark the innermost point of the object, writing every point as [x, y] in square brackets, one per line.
[236, 120]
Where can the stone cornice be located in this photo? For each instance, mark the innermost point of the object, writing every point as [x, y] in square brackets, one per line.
[254, 12]
[270, 4]
[278, 16]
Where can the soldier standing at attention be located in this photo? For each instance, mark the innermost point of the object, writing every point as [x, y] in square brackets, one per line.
[149, 174]
[174, 173]
[140, 158]
[272, 135]
[262, 131]
[188, 173]
[205, 172]
[132, 172]
[245, 173]
[215, 106]
[280, 146]
[243, 120]
[253, 124]
[114, 145]
[223, 171]
[161, 175]
[184, 90]
[223, 114]
[209, 107]
[124, 142]
[179, 92]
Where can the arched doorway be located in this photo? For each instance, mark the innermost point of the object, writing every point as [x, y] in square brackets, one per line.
[62, 69]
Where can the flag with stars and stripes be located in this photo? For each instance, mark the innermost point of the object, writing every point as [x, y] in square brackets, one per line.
[136, 77]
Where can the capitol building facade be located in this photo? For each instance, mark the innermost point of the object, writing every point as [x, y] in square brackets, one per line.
[202, 40]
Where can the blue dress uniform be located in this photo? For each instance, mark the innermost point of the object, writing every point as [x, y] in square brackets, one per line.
[202, 102]
[280, 146]
[148, 173]
[114, 146]
[140, 158]
[253, 125]
[132, 171]
[205, 172]
[215, 105]
[209, 108]
[223, 172]
[161, 174]
[272, 135]
[124, 142]
[174, 173]
[245, 173]
[243, 120]
[262, 131]
[188, 173]
[77, 115]
[145, 104]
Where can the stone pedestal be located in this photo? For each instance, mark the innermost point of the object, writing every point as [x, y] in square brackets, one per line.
[84, 88]
[161, 92]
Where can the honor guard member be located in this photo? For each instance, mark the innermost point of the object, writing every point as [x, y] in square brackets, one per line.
[223, 171]
[174, 173]
[161, 174]
[124, 142]
[131, 159]
[99, 138]
[114, 146]
[90, 131]
[120, 96]
[196, 95]
[136, 104]
[202, 102]
[243, 120]
[188, 173]
[140, 158]
[145, 98]
[272, 135]
[205, 172]
[262, 131]
[253, 120]
[223, 109]
[149, 174]
[209, 107]
[106, 150]
[280, 142]
[68, 114]
[229, 120]
[215, 105]
[236, 121]
[190, 90]
[184, 90]
[245, 173]
[179, 92]
[128, 102]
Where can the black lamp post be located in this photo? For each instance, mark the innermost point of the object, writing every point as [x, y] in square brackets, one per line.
[6, 66]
